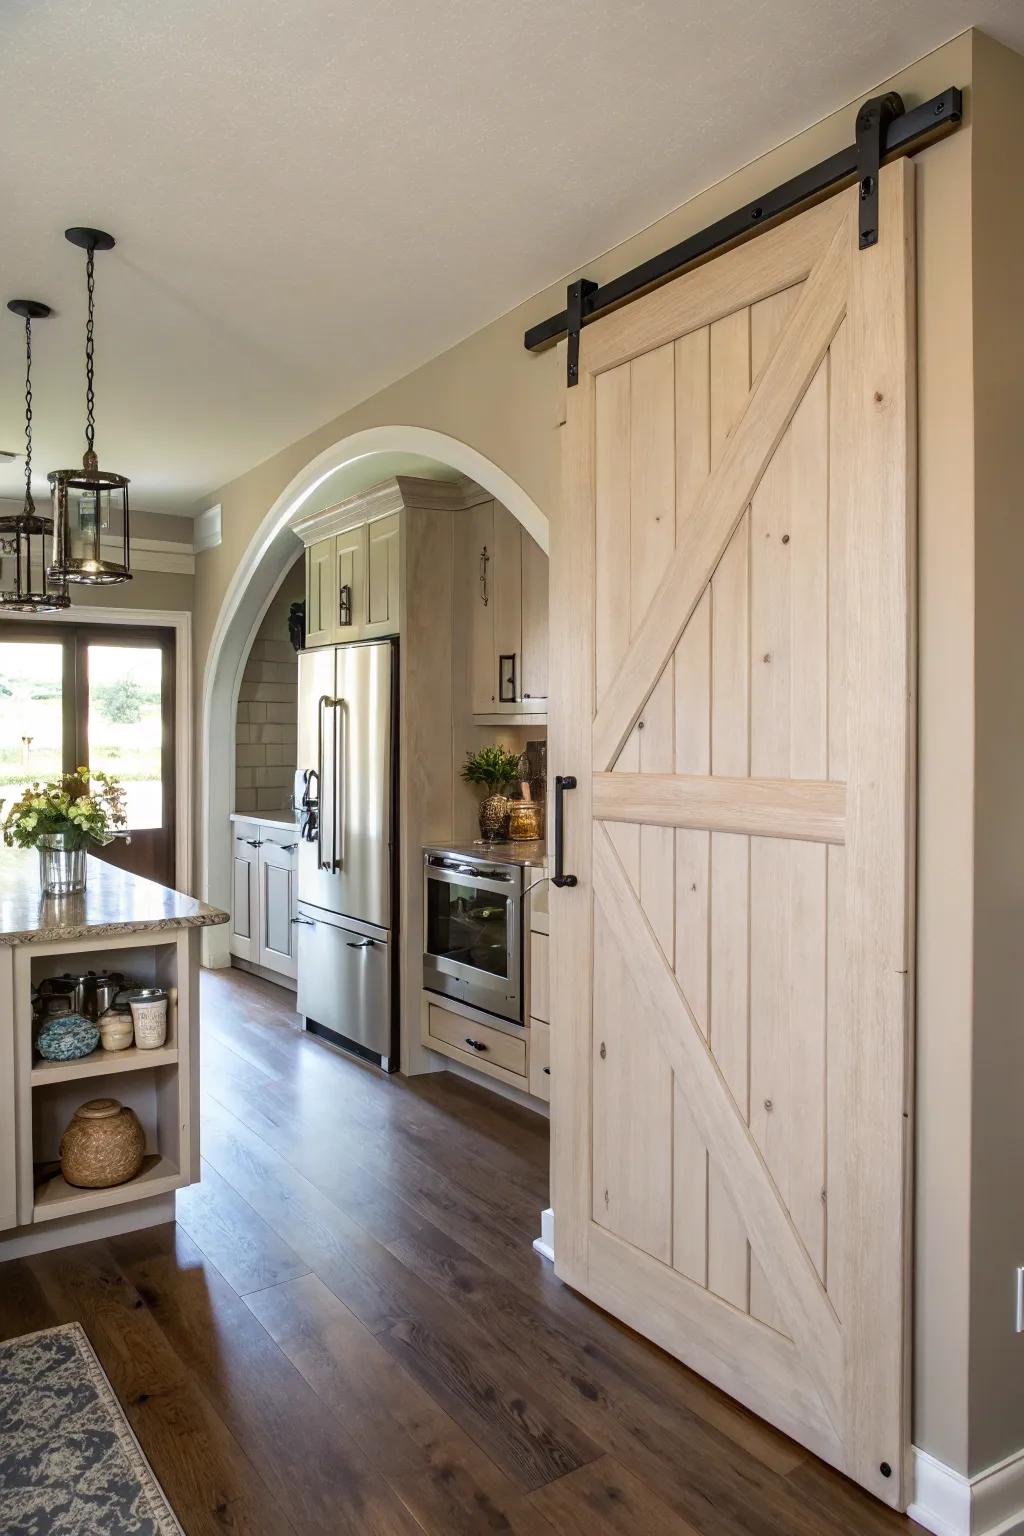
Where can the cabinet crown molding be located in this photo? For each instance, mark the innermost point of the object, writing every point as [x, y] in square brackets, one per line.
[398, 494]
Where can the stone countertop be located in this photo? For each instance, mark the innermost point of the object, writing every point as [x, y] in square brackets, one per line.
[282, 822]
[113, 903]
[532, 855]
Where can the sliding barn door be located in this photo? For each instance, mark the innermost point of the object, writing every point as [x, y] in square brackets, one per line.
[732, 613]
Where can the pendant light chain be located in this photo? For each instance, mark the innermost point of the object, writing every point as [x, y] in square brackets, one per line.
[90, 350]
[30, 505]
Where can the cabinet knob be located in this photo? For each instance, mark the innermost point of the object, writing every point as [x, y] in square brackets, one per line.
[477, 1045]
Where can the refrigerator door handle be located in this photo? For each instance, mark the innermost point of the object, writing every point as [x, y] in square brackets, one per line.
[324, 702]
[338, 827]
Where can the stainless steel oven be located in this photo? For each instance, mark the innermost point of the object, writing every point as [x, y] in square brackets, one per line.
[472, 931]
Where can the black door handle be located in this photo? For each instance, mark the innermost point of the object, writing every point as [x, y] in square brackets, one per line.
[563, 781]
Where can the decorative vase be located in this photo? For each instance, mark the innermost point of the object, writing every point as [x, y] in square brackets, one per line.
[526, 821]
[61, 867]
[102, 1146]
[493, 816]
[66, 1037]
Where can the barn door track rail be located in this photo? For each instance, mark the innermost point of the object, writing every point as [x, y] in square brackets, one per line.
[885, 130]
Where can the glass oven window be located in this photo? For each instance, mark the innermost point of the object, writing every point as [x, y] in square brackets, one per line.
[468, 926]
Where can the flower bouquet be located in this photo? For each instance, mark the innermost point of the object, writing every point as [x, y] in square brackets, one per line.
[62, 818]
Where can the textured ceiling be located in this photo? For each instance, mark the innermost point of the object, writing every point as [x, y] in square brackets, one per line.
[311, 197]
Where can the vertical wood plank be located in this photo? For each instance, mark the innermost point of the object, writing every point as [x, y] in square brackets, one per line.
[693, 879]
[632, 1177]
[612, 515]
[574, 603]
[728, 1250]
[874, 1078]
[692, 848]
[841, 483]
[651, 476]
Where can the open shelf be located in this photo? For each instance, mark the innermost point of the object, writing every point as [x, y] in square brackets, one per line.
[100, 1063]
[55, 1197]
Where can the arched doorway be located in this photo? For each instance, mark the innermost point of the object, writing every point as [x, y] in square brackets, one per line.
[270, 554]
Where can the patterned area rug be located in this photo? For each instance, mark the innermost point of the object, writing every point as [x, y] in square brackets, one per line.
[69, 1463]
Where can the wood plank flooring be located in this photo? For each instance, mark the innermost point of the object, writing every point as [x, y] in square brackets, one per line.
[348, 1330]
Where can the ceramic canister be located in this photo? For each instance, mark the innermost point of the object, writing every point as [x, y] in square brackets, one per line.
[102, 1146]
[117, 1028]
[149, 1014]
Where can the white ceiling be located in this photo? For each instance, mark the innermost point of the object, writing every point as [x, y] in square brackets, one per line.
[311, 197]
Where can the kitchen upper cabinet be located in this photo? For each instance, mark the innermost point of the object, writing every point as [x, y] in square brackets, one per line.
[350, 584]
[320, 592]
[383, 576]
[510, 615]
[485, 671]
[535, 622]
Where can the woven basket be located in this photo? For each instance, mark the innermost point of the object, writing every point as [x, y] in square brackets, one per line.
[102, 1146]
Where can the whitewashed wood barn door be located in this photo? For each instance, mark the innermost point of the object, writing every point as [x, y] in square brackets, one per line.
[732, 622]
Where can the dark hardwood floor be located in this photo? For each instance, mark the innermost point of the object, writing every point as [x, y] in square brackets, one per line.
[348, 1329]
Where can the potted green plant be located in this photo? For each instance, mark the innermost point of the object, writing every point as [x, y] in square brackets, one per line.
[497, 769]
[62, 818]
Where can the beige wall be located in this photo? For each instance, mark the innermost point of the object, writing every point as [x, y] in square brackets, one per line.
[266, 733]
[491, 394]
[997, 1161]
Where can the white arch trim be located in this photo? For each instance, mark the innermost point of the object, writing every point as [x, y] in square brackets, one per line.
[269, 555]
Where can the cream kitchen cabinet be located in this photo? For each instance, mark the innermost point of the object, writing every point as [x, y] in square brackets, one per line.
[265, 897]
[383, 576]
[510, 617]
[353, 579]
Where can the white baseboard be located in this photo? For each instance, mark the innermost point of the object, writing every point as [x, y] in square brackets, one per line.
[545, 1244]
[948, 1504]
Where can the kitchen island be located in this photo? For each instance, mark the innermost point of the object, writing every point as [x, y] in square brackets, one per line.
[151, 935]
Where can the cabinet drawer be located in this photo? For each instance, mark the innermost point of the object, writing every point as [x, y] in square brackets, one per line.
[493, 1047]
[540, 1059]
[540, 1007]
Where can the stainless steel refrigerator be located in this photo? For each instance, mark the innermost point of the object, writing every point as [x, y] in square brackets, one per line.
[345, 790]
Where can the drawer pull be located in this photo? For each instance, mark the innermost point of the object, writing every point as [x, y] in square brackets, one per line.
[477, 1045]
[306, 922]
[361, 943]
[287, 847]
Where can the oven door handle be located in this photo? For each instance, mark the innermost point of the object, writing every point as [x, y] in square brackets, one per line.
[563, 781]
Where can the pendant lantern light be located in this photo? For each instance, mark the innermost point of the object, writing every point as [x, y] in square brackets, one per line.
[24, 583]
[90, 505]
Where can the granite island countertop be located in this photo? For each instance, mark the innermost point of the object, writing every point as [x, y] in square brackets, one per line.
[113, 902]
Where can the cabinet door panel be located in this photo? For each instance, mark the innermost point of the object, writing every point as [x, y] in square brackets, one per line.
[277, 903]
[485, 667]
[508, 602]
[382, 584]
[319, 588]
[349, 595]
[245, 895]
[534, 679]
